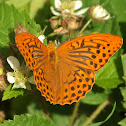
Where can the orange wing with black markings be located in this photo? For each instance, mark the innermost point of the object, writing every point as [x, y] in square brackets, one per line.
[66, 74]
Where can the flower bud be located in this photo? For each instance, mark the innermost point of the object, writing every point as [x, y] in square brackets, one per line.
[2, 116]
[20, 29]
[54, 22]
[98, 13]
[3, 84]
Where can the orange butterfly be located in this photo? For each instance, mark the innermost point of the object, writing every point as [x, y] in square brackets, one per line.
[66, 74]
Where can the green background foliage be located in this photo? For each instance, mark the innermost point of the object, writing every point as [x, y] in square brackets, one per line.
[34, 110]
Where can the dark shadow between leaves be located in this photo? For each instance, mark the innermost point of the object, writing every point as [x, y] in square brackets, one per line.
[123, 31]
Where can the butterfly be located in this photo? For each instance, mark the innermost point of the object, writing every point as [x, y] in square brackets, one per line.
[66, 74]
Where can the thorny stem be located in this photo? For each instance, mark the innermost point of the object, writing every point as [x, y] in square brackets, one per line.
[74, 113]
[85, 26]
[95, 113]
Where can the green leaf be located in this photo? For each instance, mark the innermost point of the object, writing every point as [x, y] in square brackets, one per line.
[110, 76]
[9, 19]
[28, 120]
[122, 122]
[111, 26]
[8, 93]
[109, 116]
[61, 119]
[30, 6]
[94, 98]
[119, 9]
[20, 5]
[123, 92]
[123, 57]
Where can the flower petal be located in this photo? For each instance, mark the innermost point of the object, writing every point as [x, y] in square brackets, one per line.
[98, 13]
[13, 62]
[82, 11]
[54, 12]
[41, 38]
[106, 17]
[77, 4]
[66, 11]
[11, 79]
[58, 4]
[19, 85]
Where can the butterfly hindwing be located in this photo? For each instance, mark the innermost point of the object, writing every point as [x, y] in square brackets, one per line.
[78, 61]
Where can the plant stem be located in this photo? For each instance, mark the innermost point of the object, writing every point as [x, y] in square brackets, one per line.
[85, 26]
[74, 113]
[95, 113]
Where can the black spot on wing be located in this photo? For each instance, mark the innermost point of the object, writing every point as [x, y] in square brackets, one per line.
[82, 43]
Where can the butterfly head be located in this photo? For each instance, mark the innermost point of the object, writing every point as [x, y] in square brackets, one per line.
[51, 46]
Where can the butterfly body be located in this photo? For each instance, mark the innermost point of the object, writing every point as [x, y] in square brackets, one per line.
[66, 74]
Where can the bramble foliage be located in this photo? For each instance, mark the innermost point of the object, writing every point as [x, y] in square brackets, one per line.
[28, 106]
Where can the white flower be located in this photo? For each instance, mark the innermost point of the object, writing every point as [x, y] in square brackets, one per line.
[10, 77]
[98, 13]
[41, 38]
[68, 8]
[13, 62]
[18, 77]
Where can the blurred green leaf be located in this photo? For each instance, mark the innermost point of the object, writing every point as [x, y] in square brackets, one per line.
[8, 93]
[119, 9]
[110, 76]
[94, 98]
[30, 6]
[111, 26]
[123, 92]
[109, 116]
[122, 122]
[28, 120]
[123, 57]
[61, 120]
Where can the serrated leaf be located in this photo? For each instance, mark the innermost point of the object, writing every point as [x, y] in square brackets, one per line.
[110, 76]
[28, 120]
[94, 98]
[9, 19]
[8, 93]
[109, 116]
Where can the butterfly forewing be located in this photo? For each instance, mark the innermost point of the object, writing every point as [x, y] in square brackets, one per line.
[82, 57]
[91, 51]
[33, 50]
